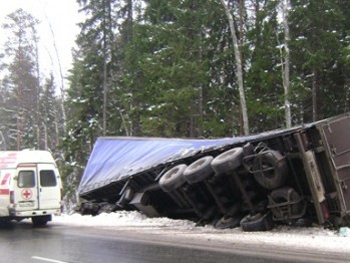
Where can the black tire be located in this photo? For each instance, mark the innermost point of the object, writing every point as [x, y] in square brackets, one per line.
[40, 221]
[303, 222]
[173, 178]
[286, 204]
[257, 222]
[107, 208]
[234, 209]
[5, 223]
[199, 170]
[228, 222]
[228, 161]
[270, 169]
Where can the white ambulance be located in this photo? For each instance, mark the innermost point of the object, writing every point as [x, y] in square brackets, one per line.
[30, 186]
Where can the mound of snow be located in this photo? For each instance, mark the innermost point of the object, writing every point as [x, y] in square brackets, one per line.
[316, 238]
[122, 218]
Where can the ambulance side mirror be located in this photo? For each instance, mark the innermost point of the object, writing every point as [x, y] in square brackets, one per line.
[15, 178]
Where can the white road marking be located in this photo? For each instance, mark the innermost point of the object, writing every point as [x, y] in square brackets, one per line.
[48, 259]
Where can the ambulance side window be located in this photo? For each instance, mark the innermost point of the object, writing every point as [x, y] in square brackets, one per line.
[47, 178]
[26, 179]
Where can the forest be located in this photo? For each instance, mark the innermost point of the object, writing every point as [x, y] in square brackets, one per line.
[180, 69]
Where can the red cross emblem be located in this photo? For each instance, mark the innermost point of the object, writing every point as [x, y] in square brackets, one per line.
[27, 194]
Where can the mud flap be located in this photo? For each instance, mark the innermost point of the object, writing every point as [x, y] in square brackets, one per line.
[313, 178]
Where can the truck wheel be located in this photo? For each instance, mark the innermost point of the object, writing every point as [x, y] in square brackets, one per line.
[261, 206]
[257, 222]
[40, 221]
[228, 222]
[228, 161]
[199, 170]
[270, 169]
[173, 178]
[285, 204]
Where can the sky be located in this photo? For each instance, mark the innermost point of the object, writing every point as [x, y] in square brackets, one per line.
[62, 16]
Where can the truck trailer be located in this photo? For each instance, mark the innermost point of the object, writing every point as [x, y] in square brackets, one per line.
[298, 176]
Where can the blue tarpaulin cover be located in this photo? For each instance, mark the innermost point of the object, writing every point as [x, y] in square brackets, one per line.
[117, 158]
[113, 159]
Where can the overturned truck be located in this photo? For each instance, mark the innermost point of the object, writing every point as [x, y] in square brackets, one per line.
[296, 176]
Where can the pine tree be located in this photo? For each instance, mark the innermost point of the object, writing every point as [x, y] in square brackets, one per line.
[263, 77]
[23, 79]
[51, 118]
[318, 31]
[90, 104]
[171, 53]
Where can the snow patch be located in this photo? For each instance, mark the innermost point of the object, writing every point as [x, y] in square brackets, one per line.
[315, 238]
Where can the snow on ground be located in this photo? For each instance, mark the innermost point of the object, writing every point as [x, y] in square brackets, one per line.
[315, 238]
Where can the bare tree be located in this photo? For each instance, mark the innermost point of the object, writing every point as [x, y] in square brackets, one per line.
[62, 88]
[239, 67]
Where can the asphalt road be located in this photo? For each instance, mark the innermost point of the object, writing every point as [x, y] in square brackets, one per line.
[20, 242]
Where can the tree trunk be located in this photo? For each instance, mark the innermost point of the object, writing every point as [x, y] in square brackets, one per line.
[37, 113]
[239, 68]
[104, 110]
[200, 96]
[314, 95]
[62, 89]
[2, 142]
[285, 74]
